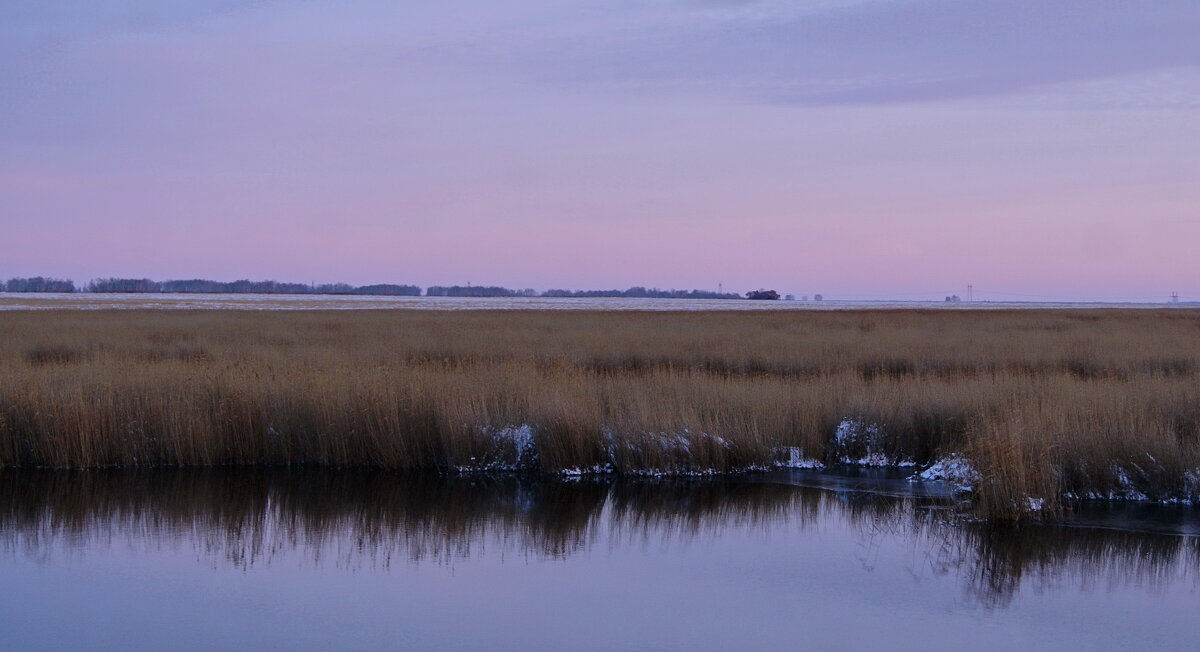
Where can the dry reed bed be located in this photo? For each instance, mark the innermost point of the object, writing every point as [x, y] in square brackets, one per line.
[1045, 403]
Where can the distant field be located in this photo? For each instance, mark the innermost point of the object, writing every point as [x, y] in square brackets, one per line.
[1044, 404]
[88, 301]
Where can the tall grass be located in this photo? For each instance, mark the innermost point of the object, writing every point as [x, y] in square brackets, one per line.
[1046, 403]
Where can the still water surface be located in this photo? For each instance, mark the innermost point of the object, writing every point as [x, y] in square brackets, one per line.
[238, 559]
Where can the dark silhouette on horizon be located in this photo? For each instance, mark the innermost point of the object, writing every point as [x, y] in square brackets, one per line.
[763, 295]
[38, 284]
[205, 286]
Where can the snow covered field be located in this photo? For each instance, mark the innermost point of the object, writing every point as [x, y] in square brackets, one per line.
[85, 301]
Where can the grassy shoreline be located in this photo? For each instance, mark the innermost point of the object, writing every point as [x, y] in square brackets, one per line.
[1044, 404]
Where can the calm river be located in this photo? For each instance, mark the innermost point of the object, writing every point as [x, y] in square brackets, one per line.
[304, 560]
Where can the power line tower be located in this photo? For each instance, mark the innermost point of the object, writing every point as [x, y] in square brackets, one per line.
[970, 293]
[1174, 297]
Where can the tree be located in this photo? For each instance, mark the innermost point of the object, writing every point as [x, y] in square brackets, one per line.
[763, 295]
[37, 284]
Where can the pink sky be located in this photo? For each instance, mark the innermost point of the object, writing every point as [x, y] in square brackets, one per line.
[784, 145]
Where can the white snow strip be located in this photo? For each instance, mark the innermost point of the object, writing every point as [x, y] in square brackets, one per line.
[576, 472]
[155, 301]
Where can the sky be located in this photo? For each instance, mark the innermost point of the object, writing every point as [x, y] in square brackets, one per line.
[856, 148]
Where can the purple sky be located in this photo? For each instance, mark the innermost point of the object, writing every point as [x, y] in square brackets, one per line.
[859, 148]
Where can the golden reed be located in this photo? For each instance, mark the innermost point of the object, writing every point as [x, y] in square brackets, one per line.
[1046, 403]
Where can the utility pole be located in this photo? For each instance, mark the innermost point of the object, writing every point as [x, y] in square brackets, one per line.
[970, 293]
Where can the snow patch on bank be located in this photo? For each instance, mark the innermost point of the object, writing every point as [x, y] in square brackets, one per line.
[860, 443]
[578, 472]
[1125, 489]
[793, 457]
[1125, 486]
[952, 469]
[682, 442]
[1191, 488]
[512, 449]
[678, 452]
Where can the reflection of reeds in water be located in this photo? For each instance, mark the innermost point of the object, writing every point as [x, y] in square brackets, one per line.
[249, 517]
[995, 561]
[1092, 558]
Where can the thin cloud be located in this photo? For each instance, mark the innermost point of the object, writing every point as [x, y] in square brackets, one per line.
[879, 53]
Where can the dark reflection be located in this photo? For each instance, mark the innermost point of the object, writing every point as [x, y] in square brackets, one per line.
[353, 519]
[1050, 556]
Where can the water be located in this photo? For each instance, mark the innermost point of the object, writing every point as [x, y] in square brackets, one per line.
[240, 559]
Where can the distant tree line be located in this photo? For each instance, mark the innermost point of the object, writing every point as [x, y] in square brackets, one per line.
[203, 286]
[389, 289]
[38, 284]
[477, 291]
[643, 293]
